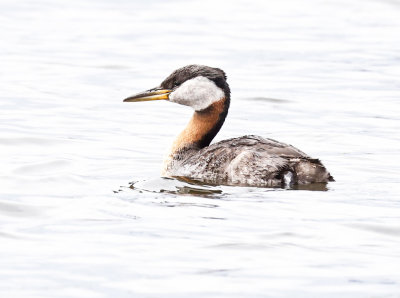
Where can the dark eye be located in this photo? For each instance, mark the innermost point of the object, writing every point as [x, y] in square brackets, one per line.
[176, 84]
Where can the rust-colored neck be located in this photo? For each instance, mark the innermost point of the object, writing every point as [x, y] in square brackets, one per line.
[202, 128]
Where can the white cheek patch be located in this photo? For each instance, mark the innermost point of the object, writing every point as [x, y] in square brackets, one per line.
[198, 93]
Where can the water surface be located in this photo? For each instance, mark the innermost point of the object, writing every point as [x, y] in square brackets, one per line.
[320, 75]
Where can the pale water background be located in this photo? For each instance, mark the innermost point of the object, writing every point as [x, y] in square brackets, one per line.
[322, 75]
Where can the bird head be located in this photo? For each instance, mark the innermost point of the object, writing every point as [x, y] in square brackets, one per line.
[197, 86]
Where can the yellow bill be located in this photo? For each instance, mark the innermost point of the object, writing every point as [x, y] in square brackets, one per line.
[152, 94]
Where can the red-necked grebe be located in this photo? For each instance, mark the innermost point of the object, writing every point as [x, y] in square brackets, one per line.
[247, 160]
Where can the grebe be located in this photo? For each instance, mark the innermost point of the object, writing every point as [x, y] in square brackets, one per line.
[247, 160]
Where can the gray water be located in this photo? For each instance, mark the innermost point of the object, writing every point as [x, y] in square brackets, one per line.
[321, 75]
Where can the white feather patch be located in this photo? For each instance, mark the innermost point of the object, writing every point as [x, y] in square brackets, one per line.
[198, 93]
